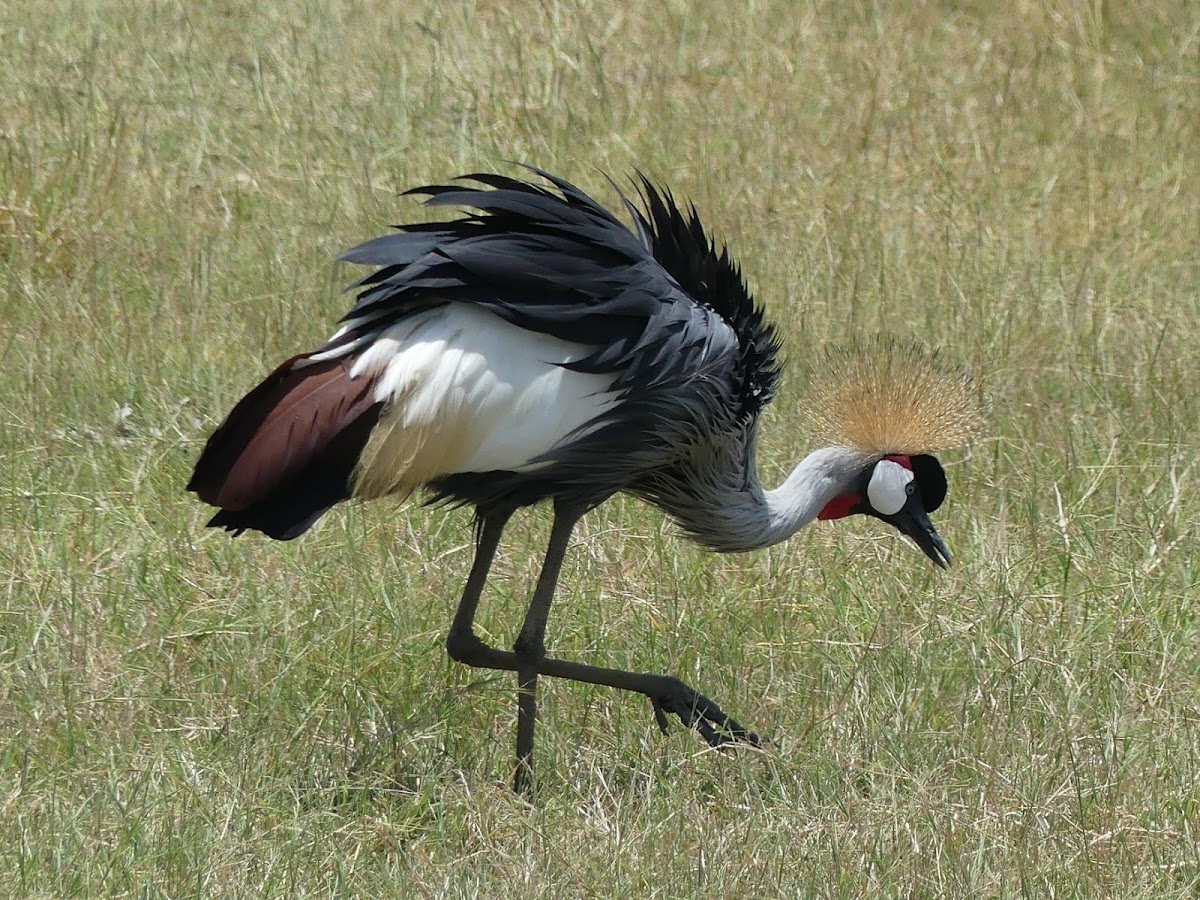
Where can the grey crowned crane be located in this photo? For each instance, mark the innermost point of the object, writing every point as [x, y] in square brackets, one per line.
[537, 349]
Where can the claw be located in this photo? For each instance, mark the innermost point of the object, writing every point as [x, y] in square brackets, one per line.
[698, 712]
[660, 715]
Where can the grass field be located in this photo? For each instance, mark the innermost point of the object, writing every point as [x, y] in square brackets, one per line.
[183, 715]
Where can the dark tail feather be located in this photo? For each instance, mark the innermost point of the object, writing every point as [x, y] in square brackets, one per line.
[287, 451]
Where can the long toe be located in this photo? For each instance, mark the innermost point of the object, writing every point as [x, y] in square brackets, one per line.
[698, 712]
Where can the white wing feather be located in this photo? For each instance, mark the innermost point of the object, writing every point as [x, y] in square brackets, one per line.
[467, 391]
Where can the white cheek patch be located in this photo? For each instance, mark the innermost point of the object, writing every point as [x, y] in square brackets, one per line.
[887, 491]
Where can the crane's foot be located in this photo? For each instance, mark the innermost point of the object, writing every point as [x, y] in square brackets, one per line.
[672, 697]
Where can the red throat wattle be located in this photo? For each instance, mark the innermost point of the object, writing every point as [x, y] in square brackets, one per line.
[839, 507]
[843, 504]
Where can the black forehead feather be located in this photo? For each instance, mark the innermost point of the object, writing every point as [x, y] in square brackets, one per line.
[931, 479]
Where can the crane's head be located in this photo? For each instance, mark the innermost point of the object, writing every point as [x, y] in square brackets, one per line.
[896, 405]
[901, 490]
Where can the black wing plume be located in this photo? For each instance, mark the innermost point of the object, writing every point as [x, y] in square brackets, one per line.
[682, 246]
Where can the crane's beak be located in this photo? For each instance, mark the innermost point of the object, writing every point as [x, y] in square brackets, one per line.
[913, 521]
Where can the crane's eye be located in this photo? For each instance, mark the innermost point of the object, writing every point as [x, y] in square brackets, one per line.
[910, 488]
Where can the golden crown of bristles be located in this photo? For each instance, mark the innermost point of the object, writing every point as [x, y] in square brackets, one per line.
[890, 396]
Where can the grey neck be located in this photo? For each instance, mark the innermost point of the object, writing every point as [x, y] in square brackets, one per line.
[820, 477]
[747, 517]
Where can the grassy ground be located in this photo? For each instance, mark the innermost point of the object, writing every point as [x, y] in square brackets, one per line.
[186, 715]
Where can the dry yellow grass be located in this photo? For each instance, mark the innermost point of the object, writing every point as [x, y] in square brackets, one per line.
[183, 715]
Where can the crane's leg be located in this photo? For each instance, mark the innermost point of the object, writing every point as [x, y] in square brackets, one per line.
[529, 650]
[462, 639]
[530, 646]
[668, 696]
